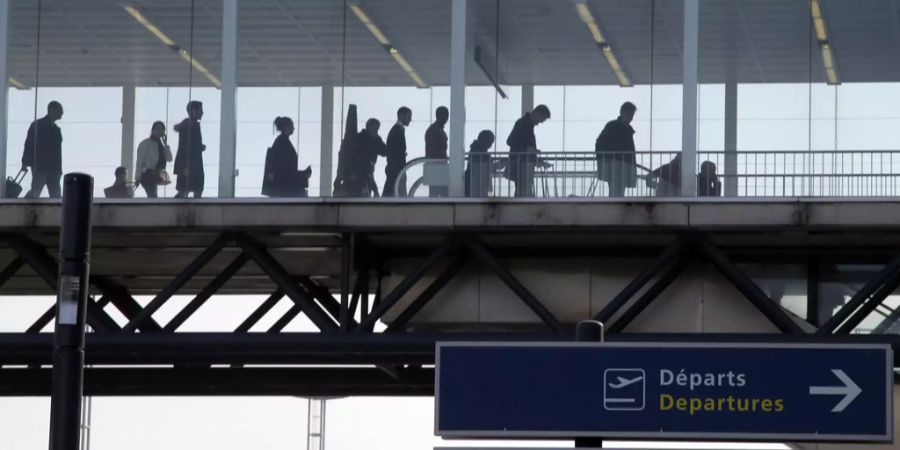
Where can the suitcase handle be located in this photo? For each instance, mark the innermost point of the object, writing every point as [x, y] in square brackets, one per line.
[21, 175]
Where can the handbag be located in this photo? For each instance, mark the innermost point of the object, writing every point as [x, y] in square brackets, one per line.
[164, 179]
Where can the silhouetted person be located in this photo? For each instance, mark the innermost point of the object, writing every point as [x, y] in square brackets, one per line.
[120, 188]
[436, 145]
[350, 133]
[152, 155]
[366, 148]
[523, 152]
[281, 177]
[615, 152]
[43, 153]
[478, 173]
[668, 178]
[189, 159]
[396, 154]
[708, 183]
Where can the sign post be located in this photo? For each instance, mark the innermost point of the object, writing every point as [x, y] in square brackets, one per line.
[760, 392]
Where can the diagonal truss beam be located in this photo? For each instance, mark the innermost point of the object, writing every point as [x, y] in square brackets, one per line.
[665, 280]
[48, 269]
[207, 292]
[388, 302]
[771, 310]
[886, 289]
[285, 282]
[482, 254]
[122, 300]
[178, 282]
[285, 319]
[259, 312]
[323, 297]
[399, 324]
[10, 270]
[672, 255]
[859, 299]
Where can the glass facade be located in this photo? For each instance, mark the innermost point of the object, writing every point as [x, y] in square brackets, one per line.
[794, 97]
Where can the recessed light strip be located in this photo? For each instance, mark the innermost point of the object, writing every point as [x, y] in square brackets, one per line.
[586, 16]
[165, 39]
[382, 39]
[825, 47]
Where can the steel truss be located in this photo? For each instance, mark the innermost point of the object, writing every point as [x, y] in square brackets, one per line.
[347, 356]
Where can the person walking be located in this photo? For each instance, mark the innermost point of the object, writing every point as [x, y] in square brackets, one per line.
[189, 158]
[43, 153]
[615, 152]
[281, 177]
[478, 173]
[152, 155]
[396, 154]
[436, 146]
[523, 152]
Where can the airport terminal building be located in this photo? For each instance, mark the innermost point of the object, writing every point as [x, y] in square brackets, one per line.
[375, 179]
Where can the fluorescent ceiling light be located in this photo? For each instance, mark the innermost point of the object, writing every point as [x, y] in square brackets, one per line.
[165, 39]
[584, 13]
[382, 39]
[818, 21]
[825, 47]
[364, 18]
[17, 84]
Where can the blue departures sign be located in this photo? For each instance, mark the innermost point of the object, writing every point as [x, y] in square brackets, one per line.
[802, 392]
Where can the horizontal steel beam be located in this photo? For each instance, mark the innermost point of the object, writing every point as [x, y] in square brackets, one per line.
[352, 349]
[305, 382]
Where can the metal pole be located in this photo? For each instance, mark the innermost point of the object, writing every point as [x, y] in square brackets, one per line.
[589, 331]
[127, 161]
[327, 141]
[71, 307]
[689, 100]
[4, 90]
[731, 135]
[527, 98]
[457, 97]
[228, 129]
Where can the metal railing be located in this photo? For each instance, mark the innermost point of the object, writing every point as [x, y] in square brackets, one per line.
[753, 174]
[858, 173]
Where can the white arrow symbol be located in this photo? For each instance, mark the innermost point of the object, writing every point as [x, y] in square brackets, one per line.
[849, 390]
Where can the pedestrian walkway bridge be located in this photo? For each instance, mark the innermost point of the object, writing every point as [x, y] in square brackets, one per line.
[383, 280]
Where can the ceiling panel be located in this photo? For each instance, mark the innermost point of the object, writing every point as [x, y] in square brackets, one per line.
[316, 42]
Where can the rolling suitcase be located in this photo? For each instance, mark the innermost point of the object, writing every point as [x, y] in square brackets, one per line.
[14, 185]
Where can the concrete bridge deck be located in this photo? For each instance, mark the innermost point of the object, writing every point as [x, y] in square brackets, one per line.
[142, 245]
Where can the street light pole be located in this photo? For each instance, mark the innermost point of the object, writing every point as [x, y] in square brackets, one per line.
[71, 306]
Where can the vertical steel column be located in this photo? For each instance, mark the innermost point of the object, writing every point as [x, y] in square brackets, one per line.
[326, 166]
[315, 424]
[228, 124]
[690, 75]
[127, 160]
[457, 97]
[4, 90]
[71, 307]
[527, 98]
[731, 135]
